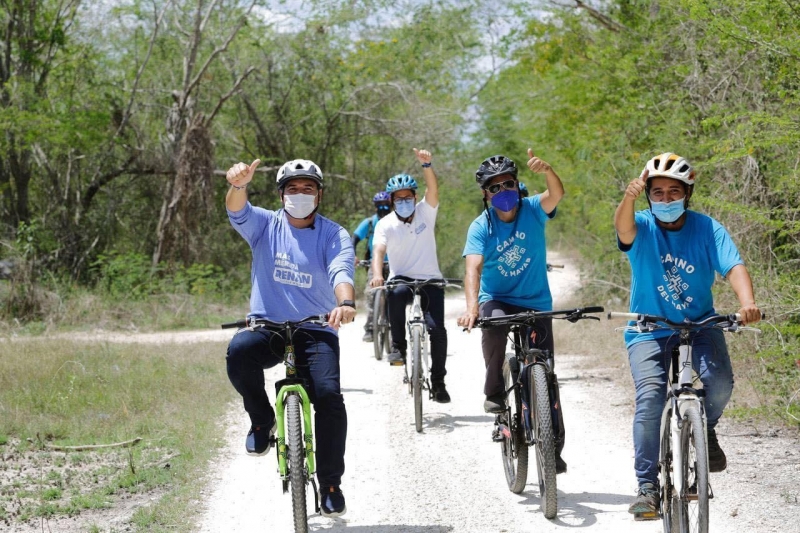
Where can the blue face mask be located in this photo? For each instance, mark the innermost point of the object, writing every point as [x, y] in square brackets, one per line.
[506, 200]
[404, 208]
[668, 211]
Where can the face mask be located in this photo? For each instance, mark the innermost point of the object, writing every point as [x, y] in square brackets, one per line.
[668, 211]
[404, 208]
[383, 210]
[299, 205]
[506, 200]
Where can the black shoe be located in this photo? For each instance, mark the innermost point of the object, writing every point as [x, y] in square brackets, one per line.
[367, 336]
[561, 465]
[647, 503]
[717, 462]
[496, 403]
[439, 393]
[259, 439]
[331, 501]
[396, 357]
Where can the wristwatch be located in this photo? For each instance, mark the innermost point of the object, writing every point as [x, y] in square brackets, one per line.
[348, 303]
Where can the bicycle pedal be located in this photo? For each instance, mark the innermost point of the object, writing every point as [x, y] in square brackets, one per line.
[641, 517]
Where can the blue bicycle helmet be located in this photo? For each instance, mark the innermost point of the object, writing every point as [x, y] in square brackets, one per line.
[400, 182]
[523, 190]
[381, 197]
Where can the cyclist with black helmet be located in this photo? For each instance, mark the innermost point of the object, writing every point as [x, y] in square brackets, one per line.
[506, 268]
[303, 265]
[407, 235]
[674, 253]
[364, 232]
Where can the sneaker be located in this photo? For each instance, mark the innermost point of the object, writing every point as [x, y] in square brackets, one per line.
[496, 403]
[648, 501]
[332, 501]
[561, 465]
[259, 439]
[396, 357]
[367, 336]
[717, 462]
[439, 392]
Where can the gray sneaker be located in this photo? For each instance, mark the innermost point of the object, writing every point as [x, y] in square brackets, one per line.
[496, 403]
[717, 462]
[647, 503]
[396, 357]
[367, 336]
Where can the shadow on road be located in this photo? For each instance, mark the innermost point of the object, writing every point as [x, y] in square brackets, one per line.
[575, 510]
[445, 423]
[339, 524]
[360, 391]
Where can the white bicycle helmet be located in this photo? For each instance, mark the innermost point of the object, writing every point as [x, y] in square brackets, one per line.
[299, 168]
[669, 165]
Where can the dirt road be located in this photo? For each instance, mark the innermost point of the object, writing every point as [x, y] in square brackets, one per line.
[450, 477]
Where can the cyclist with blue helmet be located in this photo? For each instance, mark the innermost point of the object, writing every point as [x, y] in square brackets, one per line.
[364, 232]
[506, 268]
[407, 235]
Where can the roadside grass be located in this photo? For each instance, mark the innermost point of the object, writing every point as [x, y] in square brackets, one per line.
[73, 393]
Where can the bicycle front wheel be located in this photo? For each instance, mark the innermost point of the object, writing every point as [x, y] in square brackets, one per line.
[514, 447]
[693, 503]
[416, 376]
[669, 501]
[297, 469]
[544, 441]
[378, 330]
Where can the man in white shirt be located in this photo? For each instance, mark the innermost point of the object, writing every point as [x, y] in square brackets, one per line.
[407, 234]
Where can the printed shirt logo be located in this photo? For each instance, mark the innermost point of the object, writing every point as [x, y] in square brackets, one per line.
[674, 285]
[510, 256]
[288, 273]
[419, 229]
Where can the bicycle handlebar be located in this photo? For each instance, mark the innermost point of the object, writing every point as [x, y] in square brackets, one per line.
[526, 317]
[417, 283]
[551, 266]
[366, 263]
[320, 320]
[733, 320]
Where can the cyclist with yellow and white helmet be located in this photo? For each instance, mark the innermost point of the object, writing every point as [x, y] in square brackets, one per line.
[674, 253]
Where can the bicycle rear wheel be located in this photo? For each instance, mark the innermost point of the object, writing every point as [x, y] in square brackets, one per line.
[544, 441]
[669, 514]
[379, 339]
[297, 469]
[416, 376]
[513, 447]
[693, 503]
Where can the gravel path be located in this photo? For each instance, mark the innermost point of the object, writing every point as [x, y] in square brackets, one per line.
[450, 477]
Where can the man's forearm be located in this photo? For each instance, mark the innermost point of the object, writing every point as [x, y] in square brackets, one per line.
[236, 198]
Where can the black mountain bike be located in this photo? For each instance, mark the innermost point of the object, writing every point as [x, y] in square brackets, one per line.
[532, 393]
[381, 333]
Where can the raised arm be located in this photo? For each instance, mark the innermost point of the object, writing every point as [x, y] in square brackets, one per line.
[555, 189]
[472, 282]
[431, 185]
[624, 217]
[743, 287]
[239, 175]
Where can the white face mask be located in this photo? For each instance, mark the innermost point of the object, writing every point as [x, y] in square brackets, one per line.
[299, 205]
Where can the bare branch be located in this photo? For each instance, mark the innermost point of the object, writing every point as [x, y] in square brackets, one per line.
[230, 93]
[603, 19]
[87, 447]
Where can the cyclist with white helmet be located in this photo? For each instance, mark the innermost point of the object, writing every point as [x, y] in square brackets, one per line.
[506, 269]
[303, 265]
[365, 232]
[407, 235]
[674, 253]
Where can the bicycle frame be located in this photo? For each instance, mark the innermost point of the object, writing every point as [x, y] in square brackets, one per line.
[308, 435]
[416, 321]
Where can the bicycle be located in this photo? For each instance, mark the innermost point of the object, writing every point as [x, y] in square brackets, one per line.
[532, 388]
[418, 341]
[381, 333]
[551, 266]
[683, 456]
[296, 459]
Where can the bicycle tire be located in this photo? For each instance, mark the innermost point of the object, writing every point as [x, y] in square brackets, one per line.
[693, 503]
[297, 469]
[669, 517]
[514, 449]
[416, 376]
[378, 332]
[544, 441]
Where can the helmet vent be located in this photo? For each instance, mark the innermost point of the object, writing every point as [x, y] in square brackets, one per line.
[683, 168]
[669, 164]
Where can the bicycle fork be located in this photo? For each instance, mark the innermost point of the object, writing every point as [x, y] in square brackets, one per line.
[308, 437]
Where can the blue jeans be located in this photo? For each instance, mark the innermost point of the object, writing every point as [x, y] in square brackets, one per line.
[649, 362]
[432, 300]
[317, 361]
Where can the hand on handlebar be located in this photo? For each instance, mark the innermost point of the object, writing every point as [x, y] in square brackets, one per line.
[377, 280]
[467, 320]
[344, 314]
[750, 314]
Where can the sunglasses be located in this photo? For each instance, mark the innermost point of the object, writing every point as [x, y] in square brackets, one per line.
[507, 185]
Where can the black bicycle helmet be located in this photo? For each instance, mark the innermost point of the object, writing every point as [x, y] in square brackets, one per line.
[494, 166]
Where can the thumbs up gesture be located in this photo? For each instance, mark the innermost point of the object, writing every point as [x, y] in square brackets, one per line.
[536, 164]
[241, 174]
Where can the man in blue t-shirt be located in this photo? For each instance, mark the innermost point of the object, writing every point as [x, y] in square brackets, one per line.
[303, 265]
[364, 232]
[506, 268]
[674, 253]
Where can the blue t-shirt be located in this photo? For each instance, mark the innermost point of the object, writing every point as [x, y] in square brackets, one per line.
[673, 271]
[366, 230]
[514, 256]
[294, 270]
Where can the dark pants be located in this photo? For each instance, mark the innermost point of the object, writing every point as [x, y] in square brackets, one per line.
[493, 342]
[432, 299]
[317, 360]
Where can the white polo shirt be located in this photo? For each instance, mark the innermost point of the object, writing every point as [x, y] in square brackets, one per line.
[411, 246]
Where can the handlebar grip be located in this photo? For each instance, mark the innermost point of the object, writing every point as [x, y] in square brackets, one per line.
[593, 309]
[237, 324]
[551, 265]
[627, 316]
